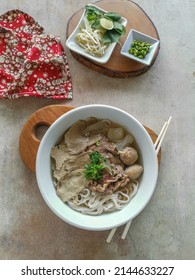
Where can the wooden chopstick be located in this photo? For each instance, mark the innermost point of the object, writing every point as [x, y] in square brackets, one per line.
[163, 135]
[111, 234]
[157, 146]
[160, 135]
[126, 229]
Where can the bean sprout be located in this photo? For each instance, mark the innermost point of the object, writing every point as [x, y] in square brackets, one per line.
[91, 41]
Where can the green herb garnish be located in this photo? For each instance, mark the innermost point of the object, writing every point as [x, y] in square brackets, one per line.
[97, 143]
[95, 170]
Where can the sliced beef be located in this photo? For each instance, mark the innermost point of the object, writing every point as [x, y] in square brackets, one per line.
[98, 127]
[75, 140]
[71, 185]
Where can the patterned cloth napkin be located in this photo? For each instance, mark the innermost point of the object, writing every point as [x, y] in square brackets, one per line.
[31, 63]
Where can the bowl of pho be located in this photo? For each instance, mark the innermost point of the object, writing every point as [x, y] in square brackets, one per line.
[96, 167]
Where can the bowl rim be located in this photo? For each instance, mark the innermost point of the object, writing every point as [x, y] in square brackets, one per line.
[67, 210]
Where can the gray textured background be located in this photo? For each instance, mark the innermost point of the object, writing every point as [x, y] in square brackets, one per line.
[166, 228]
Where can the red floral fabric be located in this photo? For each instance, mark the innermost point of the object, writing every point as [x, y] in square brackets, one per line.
[31, 63]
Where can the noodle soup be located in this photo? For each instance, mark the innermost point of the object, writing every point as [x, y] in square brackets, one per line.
[96, 167]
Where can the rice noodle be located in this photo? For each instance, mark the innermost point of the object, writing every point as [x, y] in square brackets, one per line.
[93, 203]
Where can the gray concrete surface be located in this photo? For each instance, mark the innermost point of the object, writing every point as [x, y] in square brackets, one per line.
[166, 227]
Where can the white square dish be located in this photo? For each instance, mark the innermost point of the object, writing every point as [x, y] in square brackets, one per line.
[72, 44]
[136, 35]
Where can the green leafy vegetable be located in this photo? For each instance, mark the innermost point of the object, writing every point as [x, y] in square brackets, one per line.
[106, 39]
[112, 16]
[119, 28]
[92, 9]
[96, 24]
[93, 13]
[109, 36]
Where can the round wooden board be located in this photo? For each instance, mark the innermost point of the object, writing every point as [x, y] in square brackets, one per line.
[29, 143]
[119, 66]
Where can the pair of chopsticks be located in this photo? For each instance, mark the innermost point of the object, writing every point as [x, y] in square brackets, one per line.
[157, 146]
[161, 135]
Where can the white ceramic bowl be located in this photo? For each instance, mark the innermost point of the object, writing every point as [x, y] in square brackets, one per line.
[136, 35]
[72, 44]
[147, 182]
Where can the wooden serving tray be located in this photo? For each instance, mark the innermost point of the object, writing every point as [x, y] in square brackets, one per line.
[29, 143]
[119, 66]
